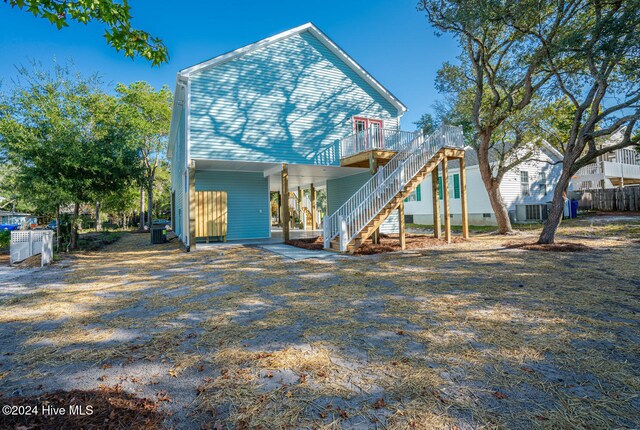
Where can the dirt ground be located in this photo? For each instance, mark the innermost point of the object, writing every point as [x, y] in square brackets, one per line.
[469, 336]
[388, 243]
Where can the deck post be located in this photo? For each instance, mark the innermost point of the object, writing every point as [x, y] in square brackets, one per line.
[314, 209]
[403, 242]
[463, 199]
[192, 206]
[285, 202]
[445, 199]
[435, 193]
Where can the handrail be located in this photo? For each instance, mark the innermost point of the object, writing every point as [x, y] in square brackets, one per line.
[375, 138]
[350, 218]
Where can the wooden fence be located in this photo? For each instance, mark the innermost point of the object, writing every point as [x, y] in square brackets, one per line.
[613, 199]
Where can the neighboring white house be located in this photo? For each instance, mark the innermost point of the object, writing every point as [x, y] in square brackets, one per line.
[611, 170]
[526, 191]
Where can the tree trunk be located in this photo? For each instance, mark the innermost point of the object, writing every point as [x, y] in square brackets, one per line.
[58, 230]
[141, 225]
[499, 209]
[492, 185]
[97, 216]
[74, 227]
[150, 202]
[548, 234]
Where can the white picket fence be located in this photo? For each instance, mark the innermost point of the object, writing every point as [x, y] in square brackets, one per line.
[25, 243]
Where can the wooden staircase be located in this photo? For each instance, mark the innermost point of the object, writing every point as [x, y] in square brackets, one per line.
[364, 212]
[390, 207]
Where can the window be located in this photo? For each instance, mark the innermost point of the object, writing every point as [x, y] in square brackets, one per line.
[524, 184]
[415, 195]
[542, 183]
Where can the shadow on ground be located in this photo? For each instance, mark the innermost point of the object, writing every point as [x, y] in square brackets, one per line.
[470, 335]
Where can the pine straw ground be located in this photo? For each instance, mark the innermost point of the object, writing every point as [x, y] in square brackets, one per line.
[469, 335]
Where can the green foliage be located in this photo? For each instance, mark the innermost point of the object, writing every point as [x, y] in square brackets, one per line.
[115, 15]
[65, 138]
[426, 123]
[5, 239]
[148, 117]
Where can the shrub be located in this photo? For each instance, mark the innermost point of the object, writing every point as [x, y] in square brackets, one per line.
[5, 238]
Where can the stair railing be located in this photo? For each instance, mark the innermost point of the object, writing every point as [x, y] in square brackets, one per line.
[360, 209]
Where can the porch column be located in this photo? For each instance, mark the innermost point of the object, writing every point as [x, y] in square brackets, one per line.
[373, 169]
[463, 200]
[445, 199]
[192, 205]
[435, 193]
[314, 210]
[300, 210]
[284, 216]
[403, 243]
[279, 208]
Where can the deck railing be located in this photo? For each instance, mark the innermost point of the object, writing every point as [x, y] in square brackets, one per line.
[375, 138]
[350, 218]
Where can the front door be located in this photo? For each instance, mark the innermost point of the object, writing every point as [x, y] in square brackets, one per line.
[368, 133]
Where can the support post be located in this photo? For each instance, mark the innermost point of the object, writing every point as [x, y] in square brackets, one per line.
[285, 202]
[314, 209]
[403, 242]
[279, 208]
[435, 192]
[301, 210]
[192, 206]
[463, 200]
[445, 199]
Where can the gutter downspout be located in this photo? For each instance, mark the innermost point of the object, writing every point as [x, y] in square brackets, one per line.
[185, 198]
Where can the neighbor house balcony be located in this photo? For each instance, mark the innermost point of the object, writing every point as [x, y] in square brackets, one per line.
[374, 143]
[616, 168]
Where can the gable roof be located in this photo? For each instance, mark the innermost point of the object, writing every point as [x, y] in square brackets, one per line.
[322, 38]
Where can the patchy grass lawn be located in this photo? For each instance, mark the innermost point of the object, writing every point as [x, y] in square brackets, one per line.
[468, 335]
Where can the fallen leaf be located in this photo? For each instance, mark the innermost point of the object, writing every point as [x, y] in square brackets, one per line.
[500, 395]
[379, 404]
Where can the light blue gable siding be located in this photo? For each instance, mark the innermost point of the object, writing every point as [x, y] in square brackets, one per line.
[248, 206]
[177, 176]
[341, 189]
[287, 102]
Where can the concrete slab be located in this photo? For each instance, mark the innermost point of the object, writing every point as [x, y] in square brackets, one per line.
[295, 253]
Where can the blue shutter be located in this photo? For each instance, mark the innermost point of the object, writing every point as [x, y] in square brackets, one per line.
[418, 194]
[440, 186]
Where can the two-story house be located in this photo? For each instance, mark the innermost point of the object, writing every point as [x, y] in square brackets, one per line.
[288, 113]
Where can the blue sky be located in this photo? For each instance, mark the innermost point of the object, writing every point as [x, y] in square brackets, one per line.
[389, 38]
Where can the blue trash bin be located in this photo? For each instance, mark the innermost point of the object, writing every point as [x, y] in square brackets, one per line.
[574, 209]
